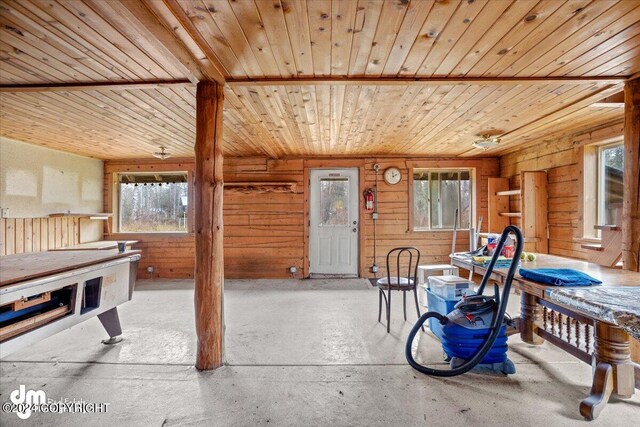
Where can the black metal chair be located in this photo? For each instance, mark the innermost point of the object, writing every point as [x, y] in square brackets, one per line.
[399, 282]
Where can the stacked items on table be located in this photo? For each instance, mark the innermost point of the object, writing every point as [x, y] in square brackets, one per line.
[483, 261]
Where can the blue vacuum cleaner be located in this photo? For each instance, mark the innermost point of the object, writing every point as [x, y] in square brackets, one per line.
[475, 331]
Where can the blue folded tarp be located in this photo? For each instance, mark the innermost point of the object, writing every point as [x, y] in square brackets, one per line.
[558, 277]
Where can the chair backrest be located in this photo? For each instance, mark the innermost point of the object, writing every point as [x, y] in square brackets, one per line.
[408, 253]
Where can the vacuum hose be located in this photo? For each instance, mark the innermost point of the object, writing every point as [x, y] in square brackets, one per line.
[496, 323]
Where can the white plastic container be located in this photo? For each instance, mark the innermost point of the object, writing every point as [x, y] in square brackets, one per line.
[450, 287]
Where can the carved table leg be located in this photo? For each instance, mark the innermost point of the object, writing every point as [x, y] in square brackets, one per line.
[613, 346]
[614, 372]
[601, 390]
[530, 312]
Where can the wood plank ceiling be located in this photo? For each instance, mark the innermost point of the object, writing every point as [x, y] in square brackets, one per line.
[182, 41]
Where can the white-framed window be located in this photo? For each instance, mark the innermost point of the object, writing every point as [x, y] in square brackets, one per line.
[437, 193]
[610, 182]
[152, 202]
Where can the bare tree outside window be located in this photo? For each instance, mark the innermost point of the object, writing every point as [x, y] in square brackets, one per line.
[611, 183]
[153, 203]
[436, 196]
[334, 201]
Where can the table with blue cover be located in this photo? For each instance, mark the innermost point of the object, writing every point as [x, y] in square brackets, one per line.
[594, 323]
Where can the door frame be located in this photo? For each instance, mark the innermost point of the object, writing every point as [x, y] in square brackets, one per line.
[335, 164]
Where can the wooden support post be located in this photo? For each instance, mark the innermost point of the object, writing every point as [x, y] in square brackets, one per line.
[208, 190]
[631, 205]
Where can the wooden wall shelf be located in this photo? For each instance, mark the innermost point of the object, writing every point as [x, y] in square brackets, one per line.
[533, 216]
[100, 216]
[260, 187]
[511, 214]
[526, 239]
[509, 193]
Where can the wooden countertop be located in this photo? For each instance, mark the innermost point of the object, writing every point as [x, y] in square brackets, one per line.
[96, 246]
[18, 268]
[608, 276]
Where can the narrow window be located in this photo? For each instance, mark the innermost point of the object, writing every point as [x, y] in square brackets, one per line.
[610, 183]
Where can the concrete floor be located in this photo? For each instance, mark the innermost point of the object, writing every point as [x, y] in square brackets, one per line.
[298, 353]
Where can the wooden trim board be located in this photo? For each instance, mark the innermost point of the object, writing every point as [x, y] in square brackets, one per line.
[113, 86]
[348, 81]
[400, 81]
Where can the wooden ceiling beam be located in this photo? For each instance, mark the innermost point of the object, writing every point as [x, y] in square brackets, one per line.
[614, 101]
[615, 98]
[137, 15]
[69, 87]
[156, 84]
[407, 81]
[215, 70]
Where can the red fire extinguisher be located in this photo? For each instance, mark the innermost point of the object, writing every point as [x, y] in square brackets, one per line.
[368, 200]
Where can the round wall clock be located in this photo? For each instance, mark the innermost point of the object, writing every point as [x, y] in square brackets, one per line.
[392, 176]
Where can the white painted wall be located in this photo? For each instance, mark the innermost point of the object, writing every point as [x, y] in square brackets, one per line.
[37, 181]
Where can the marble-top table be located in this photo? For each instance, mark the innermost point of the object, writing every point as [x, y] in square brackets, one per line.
[617, 305]
[592, 324]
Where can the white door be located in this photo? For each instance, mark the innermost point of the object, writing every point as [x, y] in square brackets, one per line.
[333, 221]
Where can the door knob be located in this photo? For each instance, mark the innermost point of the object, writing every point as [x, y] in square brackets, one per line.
[355, 230]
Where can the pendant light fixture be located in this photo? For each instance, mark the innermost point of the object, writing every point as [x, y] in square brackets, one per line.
[486, 142]
[162, 154]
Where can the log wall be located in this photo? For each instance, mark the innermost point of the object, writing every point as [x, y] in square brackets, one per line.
[171, 255]
[265, 231]
[262, 231]
[394, 210]
[561, 157]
